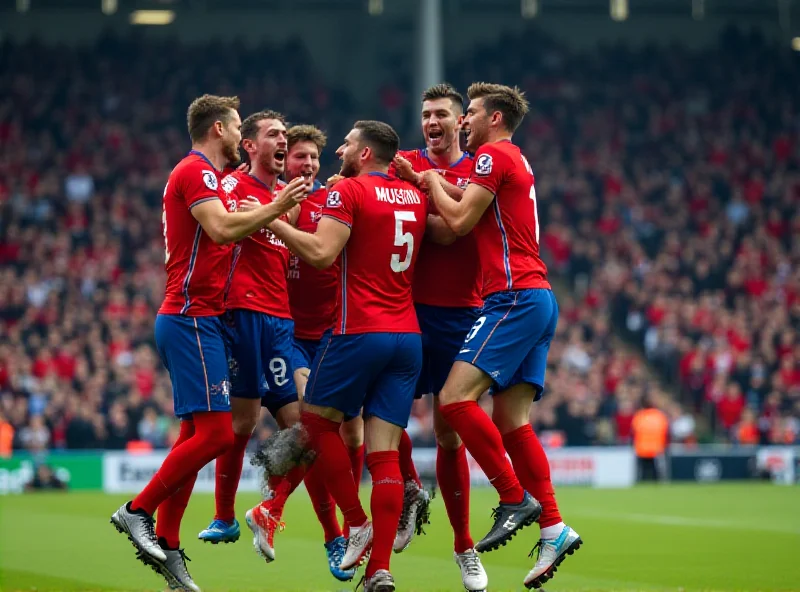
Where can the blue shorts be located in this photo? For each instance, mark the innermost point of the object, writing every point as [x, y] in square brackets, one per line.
[443, 332]
[376, 371]
[261, 361]
[304, 352]
[195, 353]
[511, 338]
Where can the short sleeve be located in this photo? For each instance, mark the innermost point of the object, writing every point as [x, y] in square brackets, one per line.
[199, 183]
[488, 168]
[343, 202]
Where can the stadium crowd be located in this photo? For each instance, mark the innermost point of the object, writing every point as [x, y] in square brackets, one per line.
[669, 191]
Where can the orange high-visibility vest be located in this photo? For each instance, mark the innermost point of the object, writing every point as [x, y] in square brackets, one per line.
[650, 433]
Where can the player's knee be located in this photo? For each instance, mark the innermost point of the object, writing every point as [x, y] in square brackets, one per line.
[244, 425]
[447, 438]
[353, 433]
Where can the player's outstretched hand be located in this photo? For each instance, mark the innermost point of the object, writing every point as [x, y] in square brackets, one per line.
[333, 180]
[429, 178]
[291, 195]
[405, 171]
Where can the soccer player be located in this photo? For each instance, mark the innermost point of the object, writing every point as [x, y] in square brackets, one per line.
[312, 297]
[198, 230]
[373, 356]
[261, 329]
[447, 299]
[506, 349]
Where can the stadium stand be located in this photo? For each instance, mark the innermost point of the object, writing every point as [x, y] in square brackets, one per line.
[669, 191]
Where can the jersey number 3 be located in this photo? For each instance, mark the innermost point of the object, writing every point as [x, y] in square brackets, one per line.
[402, 238]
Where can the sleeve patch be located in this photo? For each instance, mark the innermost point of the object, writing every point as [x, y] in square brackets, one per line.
[334, 200]
[210, 179]
[483, 166]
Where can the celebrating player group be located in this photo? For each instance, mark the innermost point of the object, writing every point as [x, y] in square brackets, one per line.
[334, 306]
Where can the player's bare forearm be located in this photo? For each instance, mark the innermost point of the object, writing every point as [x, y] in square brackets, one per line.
[225, 227]
[303, 244]
[449, 209]
[453, 191]
[461, 216]
[320, 249]
[438, 231]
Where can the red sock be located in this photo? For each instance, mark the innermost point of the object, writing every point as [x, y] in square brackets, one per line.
[323, 503]
[533, 469]
[357, 462]
[452, 473]
[170, 512]
[283, 487]
[334, 465]
[407, 468]
[229, 470]
[386, 506]
[483, 440]
[213, 436]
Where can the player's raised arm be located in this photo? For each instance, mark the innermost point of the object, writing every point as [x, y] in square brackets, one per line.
[460, 216]
[319, 249]
[228, 227]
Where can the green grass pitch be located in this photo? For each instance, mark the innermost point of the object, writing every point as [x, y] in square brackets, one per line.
[672, 537]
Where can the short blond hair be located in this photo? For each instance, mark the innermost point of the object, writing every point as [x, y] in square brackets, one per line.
[510, 102]
[205, 111]
[306, 133]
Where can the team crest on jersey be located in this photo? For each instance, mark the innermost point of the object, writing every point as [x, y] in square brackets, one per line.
[484, 164]
[210, 179]
[230, 204]
[229, 183]
[462, 183]
[316, 217]
[334, 199]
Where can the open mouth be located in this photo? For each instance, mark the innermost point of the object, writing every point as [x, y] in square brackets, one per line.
[280, 155]
[435, 135]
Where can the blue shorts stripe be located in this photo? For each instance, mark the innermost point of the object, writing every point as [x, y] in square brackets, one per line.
[202, 362]
[497, 324]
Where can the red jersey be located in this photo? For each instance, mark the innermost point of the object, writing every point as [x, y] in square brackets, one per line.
[387, 219]
[446, 275]
[508, 232]
[258, 271]
[197, 267]
[312, 292]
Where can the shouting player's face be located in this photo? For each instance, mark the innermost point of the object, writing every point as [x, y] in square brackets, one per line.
[439, 125]
[476, 125]
[350, 154]
[231, 137]
[270, 146]
[303, 160]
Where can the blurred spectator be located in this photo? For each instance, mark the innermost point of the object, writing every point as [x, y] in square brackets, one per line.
[44, 479]
[650, 438]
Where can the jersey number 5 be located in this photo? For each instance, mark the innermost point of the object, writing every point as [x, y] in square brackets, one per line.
[402, 238]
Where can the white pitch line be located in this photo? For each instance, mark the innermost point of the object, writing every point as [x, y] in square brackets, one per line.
[684, 521]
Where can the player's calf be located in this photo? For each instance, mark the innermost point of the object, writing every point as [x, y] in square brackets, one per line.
[551, 553]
